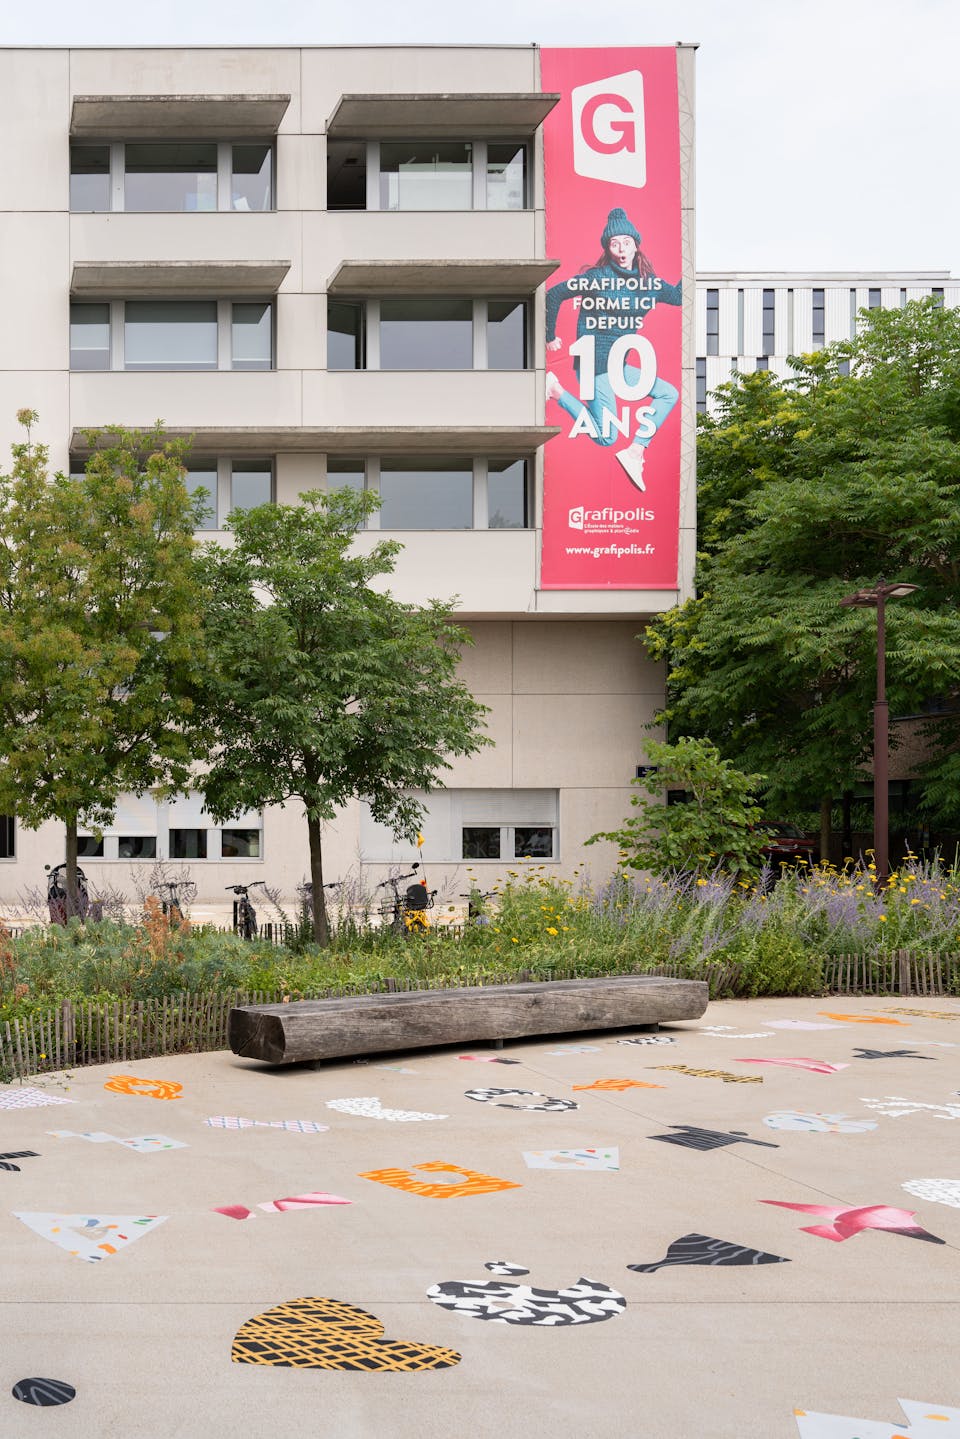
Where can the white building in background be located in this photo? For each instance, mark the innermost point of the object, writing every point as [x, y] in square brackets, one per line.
[328, 265]
[747, 321]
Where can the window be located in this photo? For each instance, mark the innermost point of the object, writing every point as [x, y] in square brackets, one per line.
[508, 501]
[481, 842]
[763, 362]
[499, 825]
[937, 294]
[419, 332]
[89, 337]
[180, 828]
[768, 342]
[136, 846]
[701, 385]
[903, 298]
[713, 322]
[240, 844]
[873, 299]
[430, 174]
[819, 319]
[89, 846]
[533, 842]
[171, 335]
[7, 837]
[345, 323]
[188, 844]
[201, 480]
[251, 484]
[343, 474]
[163, 176]
[89, 177]
[426, 494]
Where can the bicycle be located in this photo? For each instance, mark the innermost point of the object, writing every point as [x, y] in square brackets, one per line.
[407, 912]
[244, 914]
[171, 906]
[58, 904]
[476, 906]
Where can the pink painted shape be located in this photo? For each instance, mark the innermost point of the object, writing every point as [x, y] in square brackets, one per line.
[234, 1211]
[302, 1201]
[818, 1066]
[848, 1222]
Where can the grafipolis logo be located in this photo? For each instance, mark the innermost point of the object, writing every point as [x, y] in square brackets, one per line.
[579, 518]
[609, 135]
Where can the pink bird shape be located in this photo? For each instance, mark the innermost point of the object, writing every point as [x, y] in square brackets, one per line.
[849, 1222]
[819, 1066]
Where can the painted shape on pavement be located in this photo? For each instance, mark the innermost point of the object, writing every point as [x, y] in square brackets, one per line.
[701, 1249]
[649, 1039]
[712, 1074]
[503, 1266]
[815, 1066]
[396, 1068]
[302, 1201]
[472, 1183]
[369, 1107]
[860, 1018]
[576, 1049]
[607, 1158]
[29, 1098]
[91, 1237]
[584, 1302]
[845, 1223]
[802, 1024]
[925, 1420]
[894, 1105]
[5, 1159]
[859, 1053]
[501, 1099]
[149, 1088]
[619, 1084]
[937, 1191]
[690, 1136]
[318, 1333]
[800, 1121]
[928, 1013]
[45, 1393]
[757, 1034]
[488, 1059]
[294, 1126]
[139, 1143]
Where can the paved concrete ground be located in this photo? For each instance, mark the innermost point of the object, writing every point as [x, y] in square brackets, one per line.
[690, 1351]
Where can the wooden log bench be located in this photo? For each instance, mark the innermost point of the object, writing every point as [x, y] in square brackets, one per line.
[371, 1023]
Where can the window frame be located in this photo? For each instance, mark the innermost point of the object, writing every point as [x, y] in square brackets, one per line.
[8, 838]
[479, 187]
[369, 350]
[224, 174]
[165, 823]
[371, 468]
[224, 332]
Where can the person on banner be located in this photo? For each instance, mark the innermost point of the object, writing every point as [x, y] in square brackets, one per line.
[626, 289]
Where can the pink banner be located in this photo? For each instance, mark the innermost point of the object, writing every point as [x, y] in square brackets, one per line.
[611, 494]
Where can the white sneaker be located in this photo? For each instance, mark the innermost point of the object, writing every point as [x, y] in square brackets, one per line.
[632, 461]
[554, 387]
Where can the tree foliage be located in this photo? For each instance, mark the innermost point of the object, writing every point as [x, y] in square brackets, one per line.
[712, 829]
[325, 688]
[99, 631]
[810, 489]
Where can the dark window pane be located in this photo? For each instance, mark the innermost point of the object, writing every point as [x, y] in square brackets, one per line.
[481, 842]
[506, 176]
[252, 181]
[769, 322]
[170, 176]
[763, 362]
[137, 846]
[240, 843]
[345, 474]
[251, 484]
[252, 339]
[507, 495]
[506, 335]
[344, 335]
[90, 177]
[873, 299]
[532, 841]
[426, 175]
[89, 337]
[426, 495]
[7, 835]
[89, 847]
[426, 334]
[202, 480]
[170, 335]
[188, 844]
[701, 384]
[713, 322]
[819, 317]
[937, 294]
[346, 174]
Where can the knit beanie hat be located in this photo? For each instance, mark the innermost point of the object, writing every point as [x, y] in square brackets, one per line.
[619, 224]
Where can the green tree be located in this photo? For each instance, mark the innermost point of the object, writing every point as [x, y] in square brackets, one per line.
[712, 829]
[99, 632]
[325, 687]
[810, 489]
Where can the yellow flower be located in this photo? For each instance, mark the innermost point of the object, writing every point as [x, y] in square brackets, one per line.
[514, 940]
[882, 918]
[701, 881]
[551, 930]
[914, 901]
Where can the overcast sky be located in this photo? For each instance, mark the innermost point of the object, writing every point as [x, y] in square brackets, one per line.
[827, 132]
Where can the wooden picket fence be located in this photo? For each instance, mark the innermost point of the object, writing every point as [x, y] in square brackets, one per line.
[71, 1035]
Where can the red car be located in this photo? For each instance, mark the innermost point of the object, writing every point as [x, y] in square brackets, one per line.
[786, 844]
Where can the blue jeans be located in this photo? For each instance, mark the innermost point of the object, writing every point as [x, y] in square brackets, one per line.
[663, 396]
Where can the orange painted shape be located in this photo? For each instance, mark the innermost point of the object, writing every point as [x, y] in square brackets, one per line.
[862, 1018]
[474, 1181]
[619, 1084]
[150, 1088]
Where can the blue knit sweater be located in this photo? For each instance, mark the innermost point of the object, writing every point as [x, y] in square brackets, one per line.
[613, 299]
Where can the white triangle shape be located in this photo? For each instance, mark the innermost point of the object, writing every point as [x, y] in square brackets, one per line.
[91, 1237]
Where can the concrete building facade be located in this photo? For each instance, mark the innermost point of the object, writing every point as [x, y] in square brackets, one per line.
[328, 266]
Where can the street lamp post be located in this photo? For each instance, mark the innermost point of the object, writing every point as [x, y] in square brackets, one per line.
[876, 598]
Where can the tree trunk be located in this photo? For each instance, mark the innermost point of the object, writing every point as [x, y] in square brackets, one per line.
[826, 805]
[321, 929]
[70, 873]
[847, 826]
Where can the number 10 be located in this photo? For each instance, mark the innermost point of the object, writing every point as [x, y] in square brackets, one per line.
[584, 350]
